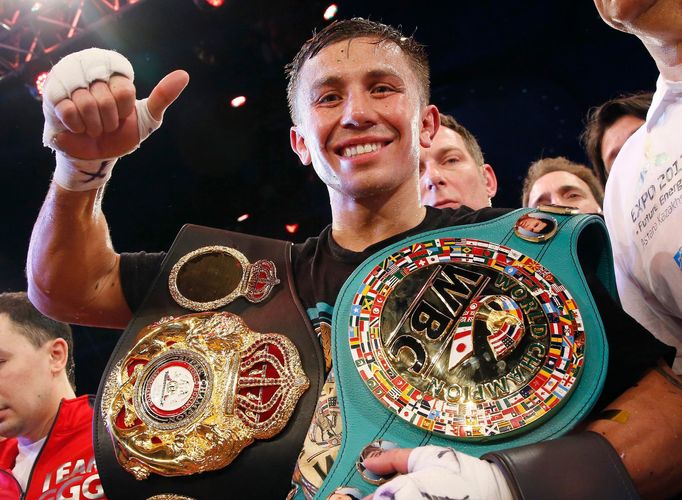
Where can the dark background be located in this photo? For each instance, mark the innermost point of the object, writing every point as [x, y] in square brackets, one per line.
[520, 75]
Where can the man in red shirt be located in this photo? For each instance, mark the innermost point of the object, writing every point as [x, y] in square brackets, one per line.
[47, 448]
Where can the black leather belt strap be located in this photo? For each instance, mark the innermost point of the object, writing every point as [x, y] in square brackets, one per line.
[583, 466]
[262, 470]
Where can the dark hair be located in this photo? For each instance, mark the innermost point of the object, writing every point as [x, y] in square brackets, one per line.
[602, 117]
[348, 29]
[37, 328]
[561, 164]
[469, 140]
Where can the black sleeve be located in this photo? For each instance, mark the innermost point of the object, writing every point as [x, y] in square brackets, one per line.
[632, 349]
[138, 271]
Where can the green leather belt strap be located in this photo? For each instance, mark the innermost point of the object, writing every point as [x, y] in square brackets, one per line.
[580, 246]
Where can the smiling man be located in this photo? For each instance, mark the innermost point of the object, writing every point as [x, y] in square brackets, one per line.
[358, 96]
[360, 115]
[452, 171]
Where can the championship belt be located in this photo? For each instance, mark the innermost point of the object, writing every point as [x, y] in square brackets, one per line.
[211, 389]
[478, 337]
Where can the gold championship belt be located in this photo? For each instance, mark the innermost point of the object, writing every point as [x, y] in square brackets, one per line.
[196, 405]
[453, 340]
[472, 341]
[196, 390]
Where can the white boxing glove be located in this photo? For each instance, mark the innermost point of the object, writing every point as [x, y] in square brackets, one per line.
[444, 473]
[79, 71]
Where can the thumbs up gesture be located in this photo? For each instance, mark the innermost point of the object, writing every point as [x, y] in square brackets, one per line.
[92, 115]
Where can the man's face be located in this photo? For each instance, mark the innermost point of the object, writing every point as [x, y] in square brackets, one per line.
[449, 176]
[25, 383]
[533, 225]
[615, 136]
[657, 19]
[361, 121]
[562, 188]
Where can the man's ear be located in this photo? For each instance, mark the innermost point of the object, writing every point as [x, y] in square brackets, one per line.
[429, 125]
[490, 180]
[59, 354]
[298, 145]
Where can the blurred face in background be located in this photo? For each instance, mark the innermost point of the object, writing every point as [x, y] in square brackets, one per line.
[615, 136]
[449, 176]
[563, 188]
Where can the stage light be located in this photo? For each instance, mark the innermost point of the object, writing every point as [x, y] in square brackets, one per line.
[238, 101]
[330, 12]
[291, 228]
[207, 5]
[40, 82]
[242, 217]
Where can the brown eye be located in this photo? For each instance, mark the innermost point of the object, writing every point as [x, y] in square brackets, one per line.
[327, 98]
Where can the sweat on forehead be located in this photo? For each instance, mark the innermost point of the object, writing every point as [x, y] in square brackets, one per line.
[350, 29]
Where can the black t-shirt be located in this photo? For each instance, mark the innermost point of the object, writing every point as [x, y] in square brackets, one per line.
[321, 267]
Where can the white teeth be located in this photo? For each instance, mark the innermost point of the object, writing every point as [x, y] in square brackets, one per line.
[359, 149]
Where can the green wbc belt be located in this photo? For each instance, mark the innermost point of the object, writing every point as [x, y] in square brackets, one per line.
[478, 337]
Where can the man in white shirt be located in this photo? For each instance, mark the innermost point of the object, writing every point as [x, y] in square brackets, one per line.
[643, 203]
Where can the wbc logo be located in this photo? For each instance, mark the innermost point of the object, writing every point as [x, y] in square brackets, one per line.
[503, 320]
[466, 338]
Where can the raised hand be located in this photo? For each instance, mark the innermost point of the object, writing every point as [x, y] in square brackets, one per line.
[92, 116]
[90, 105]
[102, 121]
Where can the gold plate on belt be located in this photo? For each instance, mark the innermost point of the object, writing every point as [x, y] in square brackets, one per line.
[466, 338]
[197, 389]
[212, 277]
[536, 227]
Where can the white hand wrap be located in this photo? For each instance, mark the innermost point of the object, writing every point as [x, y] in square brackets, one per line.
[78, 71]
[82, 175]
[436, 472]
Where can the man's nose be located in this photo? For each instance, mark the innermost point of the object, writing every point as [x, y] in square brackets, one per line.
[358, 111]
[431, 175]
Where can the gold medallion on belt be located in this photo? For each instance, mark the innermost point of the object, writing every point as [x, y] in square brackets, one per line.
[466, 338]
[197, 389]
